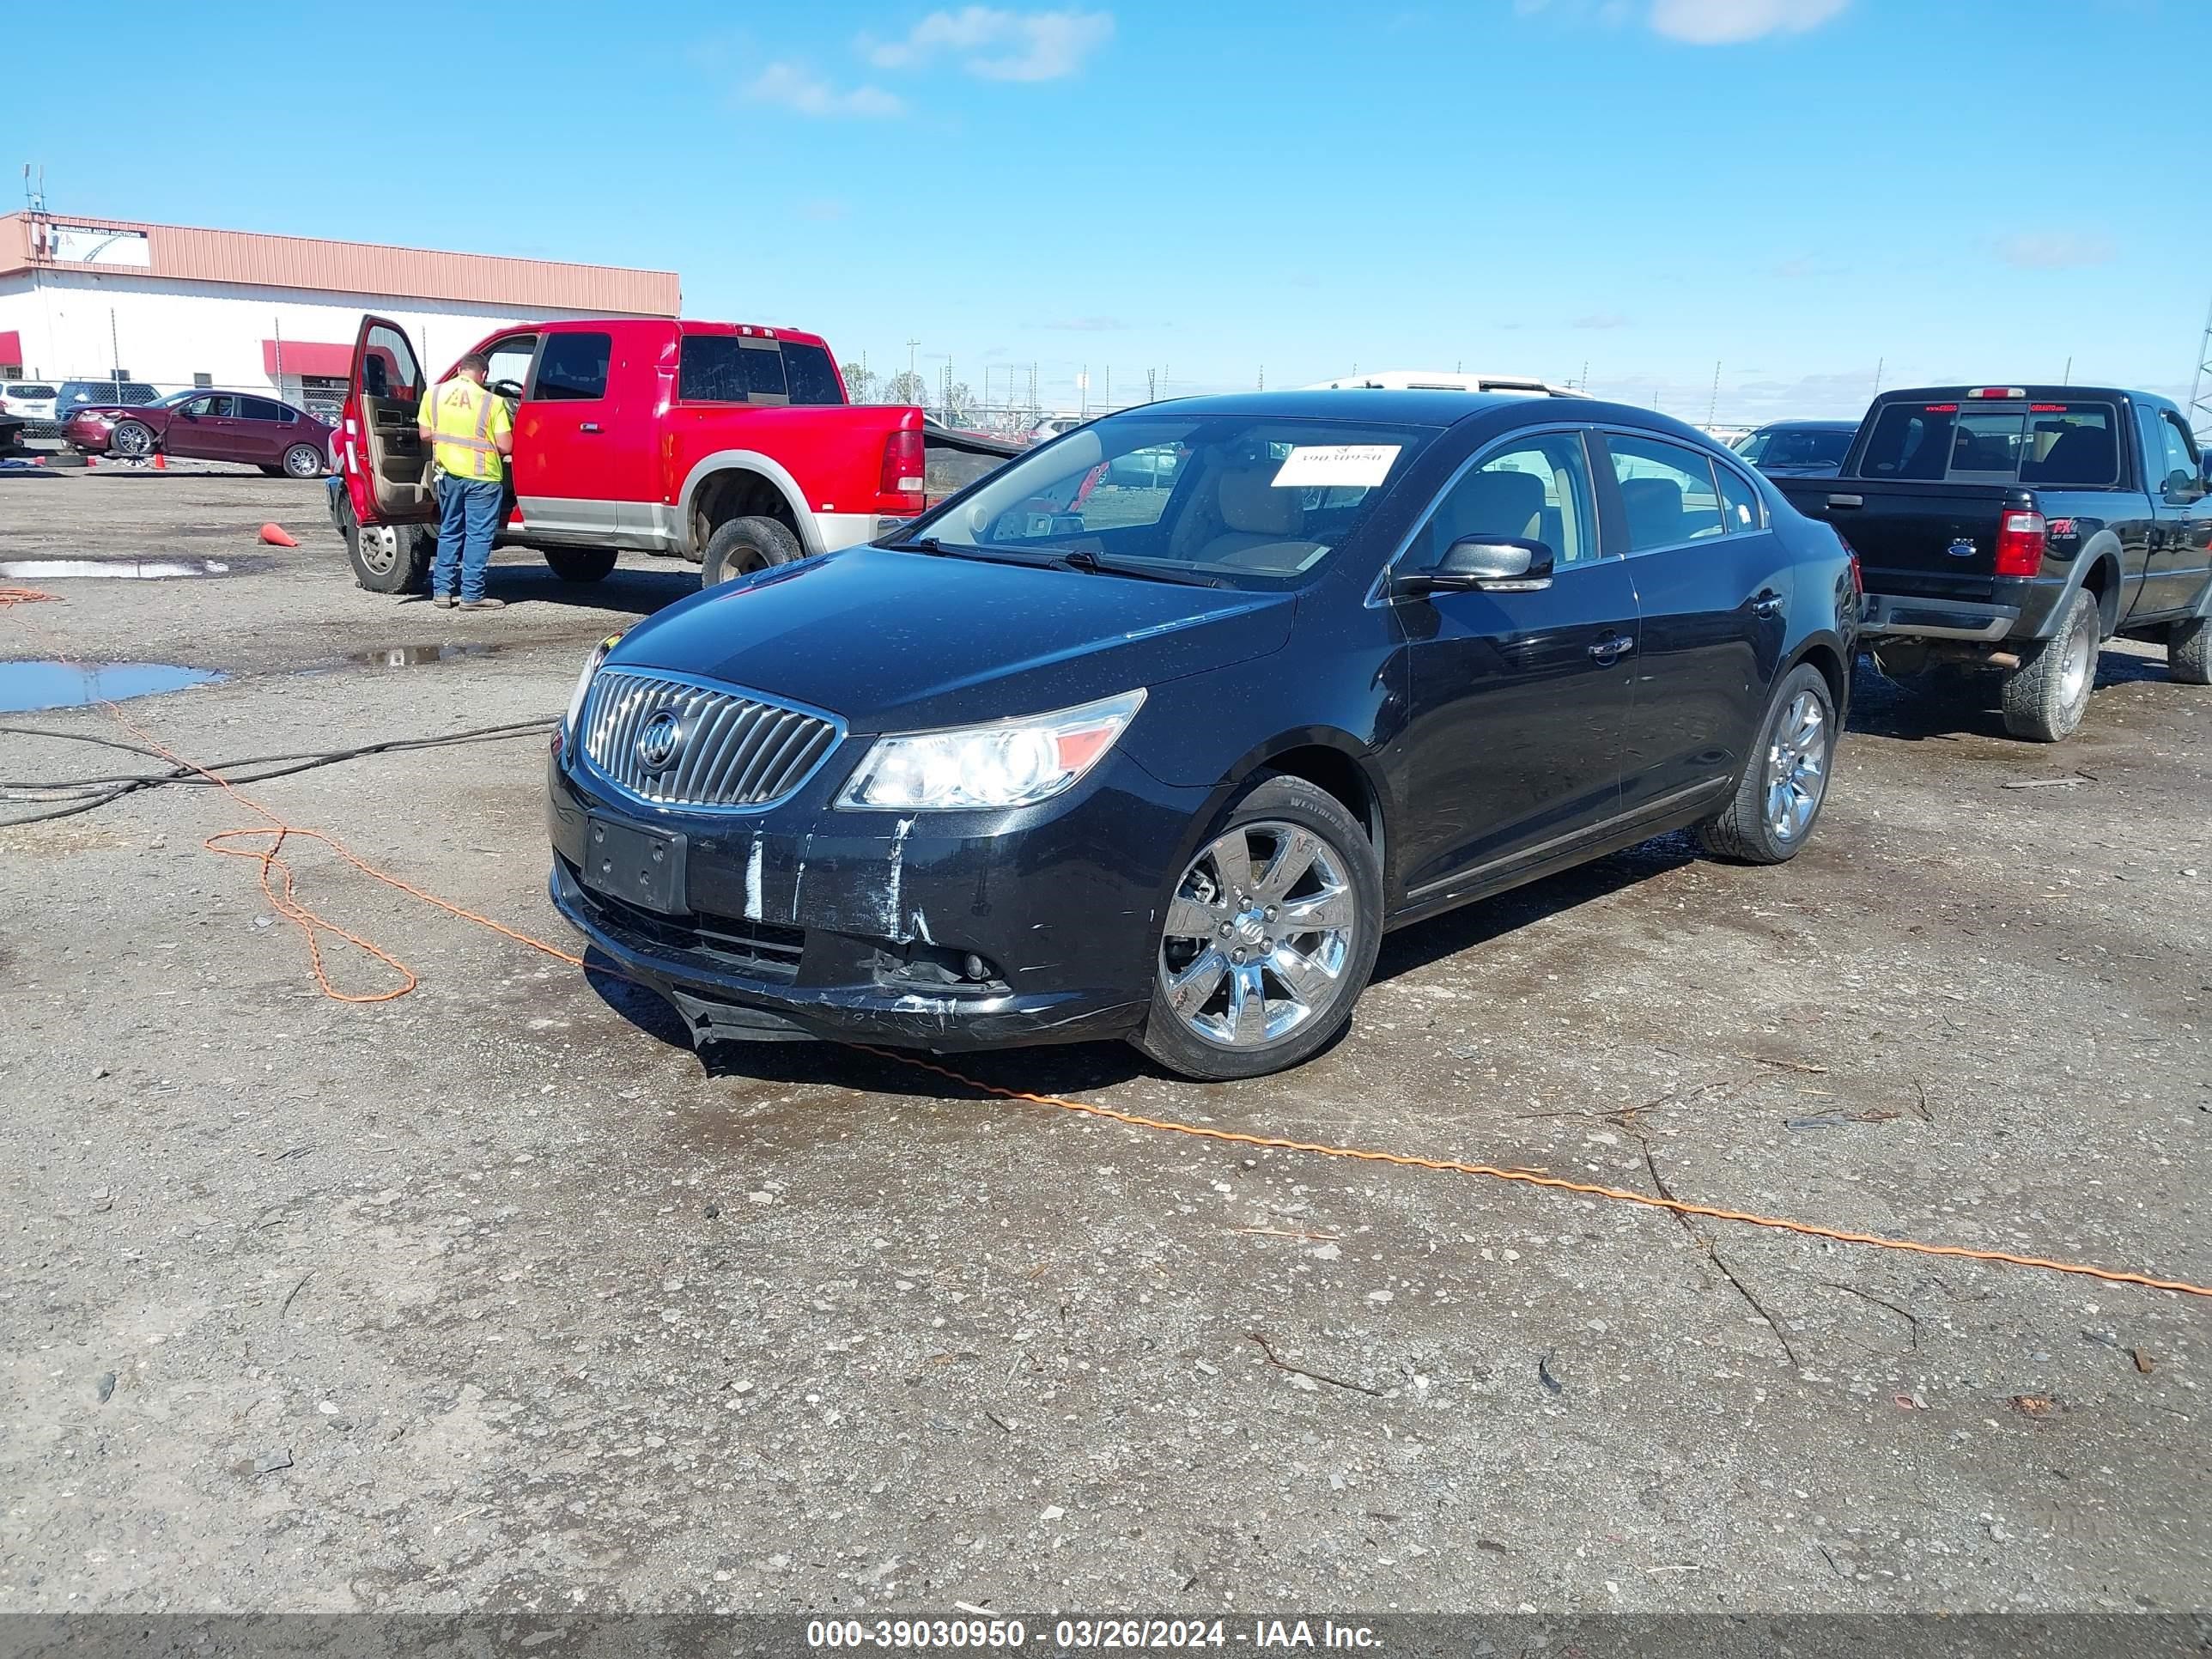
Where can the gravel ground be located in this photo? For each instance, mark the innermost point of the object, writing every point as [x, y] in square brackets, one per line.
[496, 1296]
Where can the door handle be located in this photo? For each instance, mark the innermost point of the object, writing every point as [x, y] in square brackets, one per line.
[1768, 604]
[1607, 651]
[589, 426]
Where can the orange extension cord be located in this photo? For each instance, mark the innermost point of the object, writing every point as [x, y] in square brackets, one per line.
[282, 897]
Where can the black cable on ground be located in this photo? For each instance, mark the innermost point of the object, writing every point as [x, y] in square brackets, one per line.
[97, 792]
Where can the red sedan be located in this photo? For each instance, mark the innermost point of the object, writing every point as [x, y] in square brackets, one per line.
[207, 426]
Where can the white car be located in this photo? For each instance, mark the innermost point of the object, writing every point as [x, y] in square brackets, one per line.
[1052, 426]
[29, 401]
[1432, 379]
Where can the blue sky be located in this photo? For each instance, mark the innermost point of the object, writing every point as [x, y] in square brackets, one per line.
[1795, 189]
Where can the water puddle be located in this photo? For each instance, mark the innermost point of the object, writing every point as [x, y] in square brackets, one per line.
[416, 656]
[125, 569]
[26, 686]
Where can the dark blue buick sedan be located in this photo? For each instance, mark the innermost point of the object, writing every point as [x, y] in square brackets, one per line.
[1154, 732]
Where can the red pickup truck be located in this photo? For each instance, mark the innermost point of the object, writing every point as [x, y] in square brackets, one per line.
[729, 446]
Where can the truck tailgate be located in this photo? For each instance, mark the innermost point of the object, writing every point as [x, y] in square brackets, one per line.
[1939, 540]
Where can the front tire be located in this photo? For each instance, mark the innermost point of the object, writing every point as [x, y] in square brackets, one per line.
[1783, 787]
[580, 564]
[131, 438]
[744, 545]
[1268, 938]
[303, 461]
[389, 558]
[2046, 696]
[2189, 651]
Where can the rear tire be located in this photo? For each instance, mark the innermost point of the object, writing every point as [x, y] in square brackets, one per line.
[580, 564]
[2046, 696]
[744, 545]
[131, 438]
[301, 461]
[1785, 781]
[1306, 978]
[2189, 651]
[389, 558]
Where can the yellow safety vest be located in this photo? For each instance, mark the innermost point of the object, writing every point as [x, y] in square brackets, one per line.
[465, 420]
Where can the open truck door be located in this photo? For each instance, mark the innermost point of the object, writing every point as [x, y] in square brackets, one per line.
[389, 499]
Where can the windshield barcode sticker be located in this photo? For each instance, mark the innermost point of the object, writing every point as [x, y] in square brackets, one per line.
[1355, 467]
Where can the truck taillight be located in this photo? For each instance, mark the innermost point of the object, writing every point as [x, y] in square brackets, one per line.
[2021, 540]
[901, 486]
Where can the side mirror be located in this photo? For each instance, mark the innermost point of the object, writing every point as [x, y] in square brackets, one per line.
[1495, 564]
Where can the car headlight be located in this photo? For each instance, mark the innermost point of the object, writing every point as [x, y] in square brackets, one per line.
[1007, 763]
[575, 713]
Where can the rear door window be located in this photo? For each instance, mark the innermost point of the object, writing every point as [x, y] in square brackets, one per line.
[262, 409]
[1666, 489]
[1740, 506]
[573, 367]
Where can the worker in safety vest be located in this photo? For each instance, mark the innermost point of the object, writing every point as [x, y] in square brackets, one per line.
[471, 432]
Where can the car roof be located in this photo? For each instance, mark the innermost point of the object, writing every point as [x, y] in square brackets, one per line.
[1810, 425]
[1432, 408]
[1391, 407]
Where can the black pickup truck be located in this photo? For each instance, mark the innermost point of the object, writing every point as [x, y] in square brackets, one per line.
[2016, 528]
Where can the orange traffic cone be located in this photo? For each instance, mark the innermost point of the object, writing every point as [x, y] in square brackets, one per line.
[160, 460]
[91, 461]
[275, 536]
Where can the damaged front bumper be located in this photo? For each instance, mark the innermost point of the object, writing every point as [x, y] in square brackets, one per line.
[943, 931]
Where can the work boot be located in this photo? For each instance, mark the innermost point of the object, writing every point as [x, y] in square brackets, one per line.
[444, 601]
[484, 604]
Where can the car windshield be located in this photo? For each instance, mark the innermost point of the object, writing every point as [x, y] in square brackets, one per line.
[1796, 446]
[1250, 500]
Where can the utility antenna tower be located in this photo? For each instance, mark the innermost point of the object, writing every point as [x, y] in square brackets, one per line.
[1714, 402]
[2200, 395]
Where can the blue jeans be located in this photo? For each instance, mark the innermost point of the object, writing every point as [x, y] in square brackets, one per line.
[468, 511]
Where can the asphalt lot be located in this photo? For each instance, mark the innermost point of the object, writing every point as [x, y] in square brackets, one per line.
[497, 1296]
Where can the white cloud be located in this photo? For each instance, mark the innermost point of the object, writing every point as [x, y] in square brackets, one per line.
[998, 45]
[1725, 22]
[2059, 249]
[794, 88]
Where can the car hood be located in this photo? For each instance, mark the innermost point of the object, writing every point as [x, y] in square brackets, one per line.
[901, 641]
[109, 411]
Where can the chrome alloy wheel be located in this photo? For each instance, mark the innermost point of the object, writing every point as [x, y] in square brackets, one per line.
[380, 547]
[2074, 674]
[1797, 767]
[1258, 934]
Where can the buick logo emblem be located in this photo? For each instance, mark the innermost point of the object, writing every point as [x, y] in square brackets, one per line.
[661, 742]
